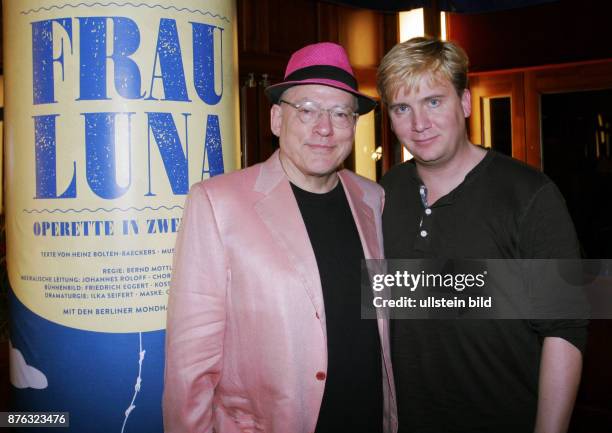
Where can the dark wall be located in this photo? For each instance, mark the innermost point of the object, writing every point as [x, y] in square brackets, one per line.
[559, 32]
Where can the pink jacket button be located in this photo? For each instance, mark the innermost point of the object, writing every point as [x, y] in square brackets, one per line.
[321, 375]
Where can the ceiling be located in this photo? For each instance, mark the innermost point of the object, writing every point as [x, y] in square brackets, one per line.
[458, 6]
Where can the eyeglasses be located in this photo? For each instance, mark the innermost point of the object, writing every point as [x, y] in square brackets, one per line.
[310, 112]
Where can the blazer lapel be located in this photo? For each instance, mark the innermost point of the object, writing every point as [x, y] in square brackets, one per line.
[364, 216]
[363, 206]
[280, 213]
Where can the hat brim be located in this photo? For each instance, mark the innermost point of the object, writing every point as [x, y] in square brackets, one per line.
[365, 104]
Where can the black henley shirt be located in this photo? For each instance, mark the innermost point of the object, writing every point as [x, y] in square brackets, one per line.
[475, 375]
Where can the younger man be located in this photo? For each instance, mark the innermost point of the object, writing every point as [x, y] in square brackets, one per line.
[456, 200]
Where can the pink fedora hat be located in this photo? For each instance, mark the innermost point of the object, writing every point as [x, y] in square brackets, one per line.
[324, 63]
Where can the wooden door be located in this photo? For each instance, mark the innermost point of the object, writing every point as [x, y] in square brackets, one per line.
[486, 88]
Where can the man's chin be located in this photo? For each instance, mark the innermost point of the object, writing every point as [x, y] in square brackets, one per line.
[427, 160]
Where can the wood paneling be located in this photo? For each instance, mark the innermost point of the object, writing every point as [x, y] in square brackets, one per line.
[561, 31]
[253, 33]
[328, 22]
[292, 24]
[431, 18]
[496, 85]
[525, 86]
[558, 79]
[388, 141]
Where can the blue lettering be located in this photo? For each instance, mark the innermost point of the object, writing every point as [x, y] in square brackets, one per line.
[204, 62]
[175, 160]
[43, 60]
[168, 52]
[213, 148]
[45, 150]
[93, 58]
[126, 39]
[101, 166]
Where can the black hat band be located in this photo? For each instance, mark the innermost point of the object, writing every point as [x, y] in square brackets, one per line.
[325, 72]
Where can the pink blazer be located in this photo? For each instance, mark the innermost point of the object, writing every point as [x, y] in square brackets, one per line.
[246, 341]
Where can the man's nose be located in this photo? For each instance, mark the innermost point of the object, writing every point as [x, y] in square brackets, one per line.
[323, 124]
[420, 120]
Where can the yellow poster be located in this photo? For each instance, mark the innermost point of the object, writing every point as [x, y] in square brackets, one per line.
[112, 111]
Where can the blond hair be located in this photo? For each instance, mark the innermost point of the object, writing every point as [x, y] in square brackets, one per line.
[407, 62]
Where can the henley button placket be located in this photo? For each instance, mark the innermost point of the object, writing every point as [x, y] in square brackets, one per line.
[422, 242]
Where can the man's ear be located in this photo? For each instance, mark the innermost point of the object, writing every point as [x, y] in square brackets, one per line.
[466, 103]
[276, 119]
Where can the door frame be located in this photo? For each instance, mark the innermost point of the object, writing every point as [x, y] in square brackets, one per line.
[525, 86]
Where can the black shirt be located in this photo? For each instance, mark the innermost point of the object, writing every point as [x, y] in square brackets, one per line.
[475, 375]
[353, 396]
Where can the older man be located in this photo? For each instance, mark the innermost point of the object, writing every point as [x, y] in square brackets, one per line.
[264, 331]
[456, 200]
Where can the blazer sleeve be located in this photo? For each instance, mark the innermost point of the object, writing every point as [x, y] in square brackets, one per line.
[195, 320]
